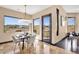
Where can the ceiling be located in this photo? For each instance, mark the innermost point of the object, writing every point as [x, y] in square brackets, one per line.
[71, 8]
[32, 9]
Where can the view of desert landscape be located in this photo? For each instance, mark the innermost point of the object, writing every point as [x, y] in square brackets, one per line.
[71, 28]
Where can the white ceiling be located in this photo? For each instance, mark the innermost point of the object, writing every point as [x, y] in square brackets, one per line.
[32, 9]
[71, 8]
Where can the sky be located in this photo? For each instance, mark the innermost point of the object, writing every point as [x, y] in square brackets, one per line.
[71, 21]
[38, 21]
[13, 21]
[46, 20]
[10, 21]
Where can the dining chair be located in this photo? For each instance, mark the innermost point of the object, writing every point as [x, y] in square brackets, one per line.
[16, 42]
[31, 40]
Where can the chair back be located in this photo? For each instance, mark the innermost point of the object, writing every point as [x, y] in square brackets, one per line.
[15, 39]
[31, 39]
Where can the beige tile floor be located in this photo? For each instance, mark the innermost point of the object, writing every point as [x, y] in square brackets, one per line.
[39, 48]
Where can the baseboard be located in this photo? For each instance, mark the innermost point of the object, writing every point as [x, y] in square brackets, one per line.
[6, 42]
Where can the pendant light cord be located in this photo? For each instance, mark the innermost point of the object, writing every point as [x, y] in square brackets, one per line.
[25, 12]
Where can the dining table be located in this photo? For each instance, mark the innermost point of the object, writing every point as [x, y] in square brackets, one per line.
[24, 37]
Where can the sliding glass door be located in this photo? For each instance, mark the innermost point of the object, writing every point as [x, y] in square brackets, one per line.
[46, 28]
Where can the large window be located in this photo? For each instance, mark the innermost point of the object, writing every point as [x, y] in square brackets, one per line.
[71, 24]
[36, 27]
[11, 23]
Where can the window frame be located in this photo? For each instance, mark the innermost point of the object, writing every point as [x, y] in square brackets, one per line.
[33, 23]
[74, 23]
[10, 17]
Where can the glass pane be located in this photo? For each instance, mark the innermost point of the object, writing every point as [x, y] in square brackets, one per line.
[71, 24]
[46, 27]
[71, 21]
[11, 21]
[17, 24]
[37, 23]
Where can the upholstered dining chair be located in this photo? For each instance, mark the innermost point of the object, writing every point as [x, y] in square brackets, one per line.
[16, 42]
[31, 40]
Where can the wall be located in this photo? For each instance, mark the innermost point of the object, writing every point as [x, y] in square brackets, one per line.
[77, 23]
[3, 11]
[52, 10]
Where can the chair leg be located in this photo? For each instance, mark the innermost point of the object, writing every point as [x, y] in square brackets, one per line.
[19, 45]
[14, 47]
